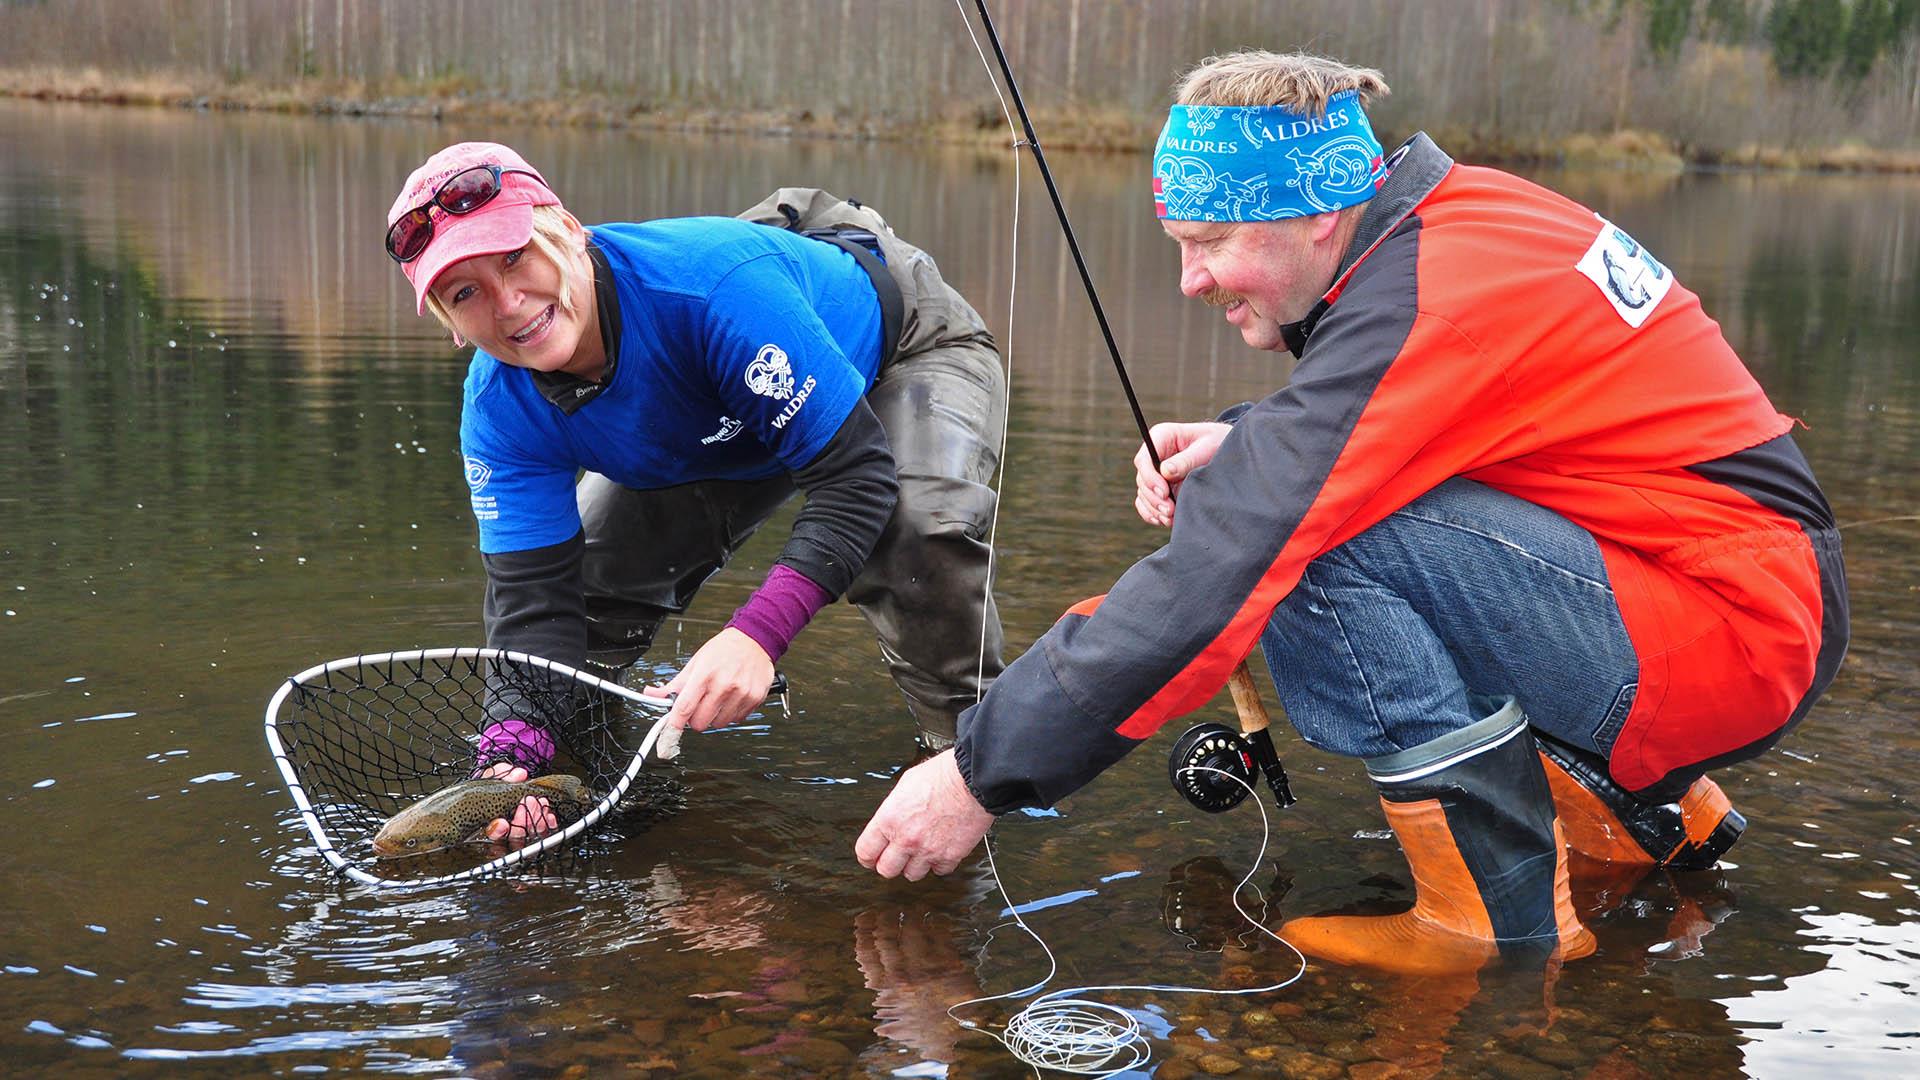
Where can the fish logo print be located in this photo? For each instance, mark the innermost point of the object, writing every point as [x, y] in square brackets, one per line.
[1343, 167]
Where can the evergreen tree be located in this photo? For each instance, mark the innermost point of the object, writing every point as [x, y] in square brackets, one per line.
[1905, 18]
[1806, 36]
[1729, 21]
[1668, 23]
[1869, 33]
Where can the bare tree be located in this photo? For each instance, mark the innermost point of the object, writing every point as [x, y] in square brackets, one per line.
[1525, 72]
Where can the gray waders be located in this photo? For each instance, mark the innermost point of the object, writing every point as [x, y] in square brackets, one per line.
[941, 397]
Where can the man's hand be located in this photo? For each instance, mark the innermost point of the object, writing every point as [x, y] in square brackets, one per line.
[533, 817]
[1183, 448]
[722, 683]
[929, 822]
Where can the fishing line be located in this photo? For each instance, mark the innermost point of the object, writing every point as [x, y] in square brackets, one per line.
[1006, 399]
[1879, 521]
[1059, 209]
[1068, 1032]
[1064, 1030]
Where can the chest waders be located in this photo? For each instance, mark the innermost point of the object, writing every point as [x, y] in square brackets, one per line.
[940, 395]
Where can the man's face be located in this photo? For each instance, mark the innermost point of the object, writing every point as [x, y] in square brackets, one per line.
[1264, 274]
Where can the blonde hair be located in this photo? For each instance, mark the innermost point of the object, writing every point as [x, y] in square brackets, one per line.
[552, 238]
[1297, 81]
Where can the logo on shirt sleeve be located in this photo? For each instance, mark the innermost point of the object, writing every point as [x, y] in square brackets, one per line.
[1632, 280]
[478, 473]
[485, 507]
[771, 374]
[729, 427]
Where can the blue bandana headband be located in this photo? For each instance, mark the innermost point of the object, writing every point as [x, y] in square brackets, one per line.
[1264, 162]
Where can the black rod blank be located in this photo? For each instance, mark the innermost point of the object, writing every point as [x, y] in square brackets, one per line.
[1060, 210]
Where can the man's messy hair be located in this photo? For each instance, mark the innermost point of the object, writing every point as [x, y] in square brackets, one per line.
[551, 238]
[1300, 82]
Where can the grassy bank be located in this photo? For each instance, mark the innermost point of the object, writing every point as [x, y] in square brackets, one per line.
[1097, 129]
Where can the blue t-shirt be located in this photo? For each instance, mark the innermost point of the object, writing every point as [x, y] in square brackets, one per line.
[742, 350]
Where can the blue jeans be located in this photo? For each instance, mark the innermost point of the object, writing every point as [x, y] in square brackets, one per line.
[1466, 591]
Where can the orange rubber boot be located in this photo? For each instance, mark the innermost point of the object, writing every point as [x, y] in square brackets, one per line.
[1474, 815]
[1605, 823]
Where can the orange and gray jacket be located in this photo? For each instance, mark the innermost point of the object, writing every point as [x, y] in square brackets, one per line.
[1483, 327]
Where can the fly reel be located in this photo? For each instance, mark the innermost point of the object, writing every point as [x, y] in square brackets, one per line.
[1213, 766]
[1205, 763]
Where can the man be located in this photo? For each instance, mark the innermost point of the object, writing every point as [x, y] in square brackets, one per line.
[1522, 532]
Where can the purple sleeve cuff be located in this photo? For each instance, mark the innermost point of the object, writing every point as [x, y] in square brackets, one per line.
[517, 741]
[779, 609]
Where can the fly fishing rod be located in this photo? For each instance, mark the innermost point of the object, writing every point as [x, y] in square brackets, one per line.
[1206, 751]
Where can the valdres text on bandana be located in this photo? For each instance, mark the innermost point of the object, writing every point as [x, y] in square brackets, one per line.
[1264, 162]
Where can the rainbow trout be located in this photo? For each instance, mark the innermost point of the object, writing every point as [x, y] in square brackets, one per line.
[460, 813]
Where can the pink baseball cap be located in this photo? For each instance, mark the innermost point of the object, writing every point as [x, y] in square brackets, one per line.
[503, 224]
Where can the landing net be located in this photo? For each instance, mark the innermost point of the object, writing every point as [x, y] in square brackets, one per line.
[361, 738]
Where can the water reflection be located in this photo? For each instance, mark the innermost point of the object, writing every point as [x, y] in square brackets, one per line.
[228, 451]
[1861, 1001]
[911, 958]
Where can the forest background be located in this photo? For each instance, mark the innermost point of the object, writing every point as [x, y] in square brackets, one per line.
[1786, 83]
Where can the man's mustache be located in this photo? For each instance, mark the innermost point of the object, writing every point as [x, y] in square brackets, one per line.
[1219, 297]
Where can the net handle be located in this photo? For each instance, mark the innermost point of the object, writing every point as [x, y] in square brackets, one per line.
[493, 866]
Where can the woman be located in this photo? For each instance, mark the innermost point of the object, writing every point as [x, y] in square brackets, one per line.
[698, 371]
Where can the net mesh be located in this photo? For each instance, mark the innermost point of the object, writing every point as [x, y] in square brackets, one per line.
[367, 737]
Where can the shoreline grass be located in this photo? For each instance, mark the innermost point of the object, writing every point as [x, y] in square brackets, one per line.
[1103, 130]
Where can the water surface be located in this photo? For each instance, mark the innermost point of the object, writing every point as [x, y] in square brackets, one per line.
[228, 451]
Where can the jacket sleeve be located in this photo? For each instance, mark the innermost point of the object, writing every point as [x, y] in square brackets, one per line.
[534, 604]
[1384, 405]
[850, 490]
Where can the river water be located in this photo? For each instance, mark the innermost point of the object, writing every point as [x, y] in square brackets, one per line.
[228, 451]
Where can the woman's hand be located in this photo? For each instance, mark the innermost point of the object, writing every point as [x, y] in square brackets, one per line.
[727, 679]
[1183, 448]
[533, 817]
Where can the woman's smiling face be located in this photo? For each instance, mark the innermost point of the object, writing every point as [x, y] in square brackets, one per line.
[510, 306]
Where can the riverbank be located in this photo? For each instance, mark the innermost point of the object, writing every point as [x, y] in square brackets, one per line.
[1107, 130]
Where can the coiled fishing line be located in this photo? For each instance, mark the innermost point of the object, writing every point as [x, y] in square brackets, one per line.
[1070, 1033]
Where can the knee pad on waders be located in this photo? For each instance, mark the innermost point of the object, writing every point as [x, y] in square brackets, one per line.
[617, 640]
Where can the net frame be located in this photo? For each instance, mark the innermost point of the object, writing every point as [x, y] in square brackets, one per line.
[389, 679]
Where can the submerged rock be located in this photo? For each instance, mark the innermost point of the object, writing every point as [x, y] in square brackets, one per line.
[1219, 1065]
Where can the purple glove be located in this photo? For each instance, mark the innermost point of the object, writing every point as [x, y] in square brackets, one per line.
[516, 741]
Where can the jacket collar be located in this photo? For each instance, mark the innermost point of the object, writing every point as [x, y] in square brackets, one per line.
[1413, 171]
[569, 392]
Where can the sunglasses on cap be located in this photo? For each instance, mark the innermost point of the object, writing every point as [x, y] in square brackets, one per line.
[462, 193]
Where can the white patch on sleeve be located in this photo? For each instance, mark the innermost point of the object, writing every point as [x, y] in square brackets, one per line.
[771, 373]
[485, 507]
[1632, 280]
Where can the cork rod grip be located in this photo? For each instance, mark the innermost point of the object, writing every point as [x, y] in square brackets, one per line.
[1246, 701]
